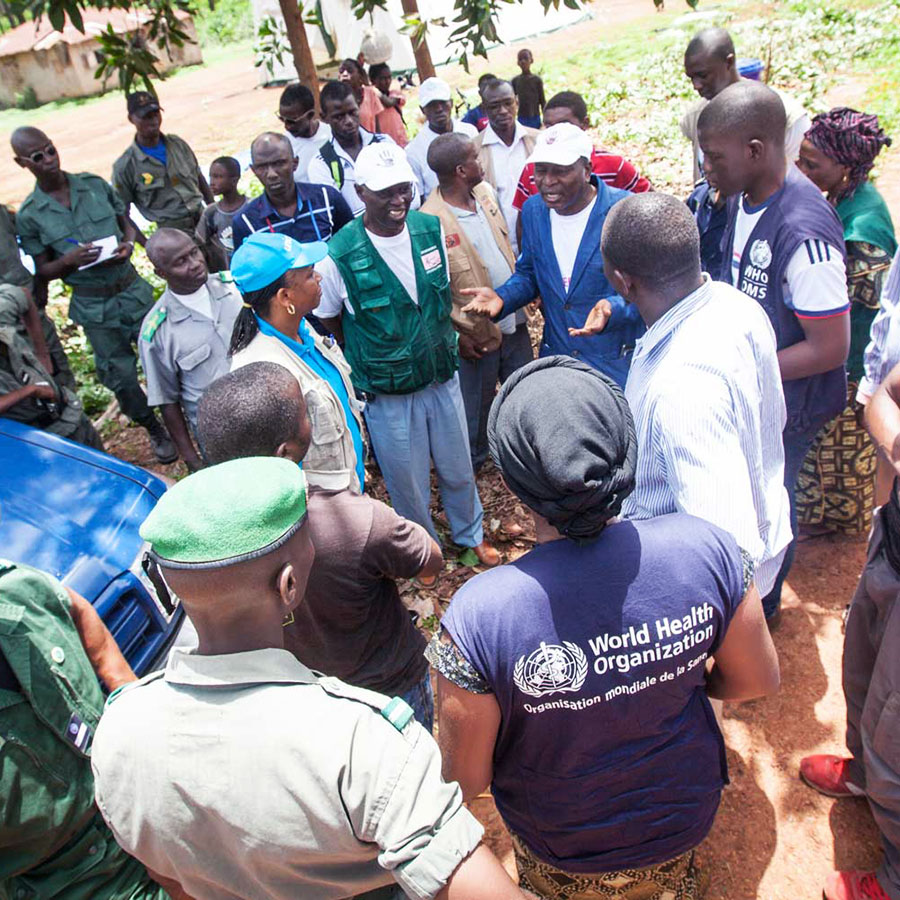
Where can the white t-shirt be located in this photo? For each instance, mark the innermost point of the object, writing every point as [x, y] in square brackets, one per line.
[567, 232]
[199, 301]
[305, 149]
[395, 251]
[417, 154]
[815, 278]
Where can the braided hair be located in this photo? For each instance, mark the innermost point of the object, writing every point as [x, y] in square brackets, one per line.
[256, 303]
[850, 138]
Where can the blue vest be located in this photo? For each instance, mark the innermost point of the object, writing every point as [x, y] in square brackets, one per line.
[796, 213]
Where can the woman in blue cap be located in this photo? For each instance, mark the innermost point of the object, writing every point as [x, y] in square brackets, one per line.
[277, 279]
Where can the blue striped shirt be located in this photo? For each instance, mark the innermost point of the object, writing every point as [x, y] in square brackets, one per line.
[705, 391]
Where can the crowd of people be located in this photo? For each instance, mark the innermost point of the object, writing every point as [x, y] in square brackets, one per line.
[714, 378]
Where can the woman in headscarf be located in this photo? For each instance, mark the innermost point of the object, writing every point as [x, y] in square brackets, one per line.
[573, 681]
[836, 488]
[280, 286]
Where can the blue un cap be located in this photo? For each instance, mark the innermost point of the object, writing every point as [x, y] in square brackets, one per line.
[265, 256]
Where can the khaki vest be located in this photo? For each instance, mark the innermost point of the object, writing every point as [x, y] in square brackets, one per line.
[487, 158]
[467, 270]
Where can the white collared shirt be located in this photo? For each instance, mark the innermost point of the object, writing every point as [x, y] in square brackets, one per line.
[705, 391]
[246, 775]
[305, 149]
[883, 350]
[508, 164]
[417, 153]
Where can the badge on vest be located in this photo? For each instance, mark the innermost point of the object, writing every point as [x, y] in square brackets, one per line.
[761, 254]
[451, 240]
[147, 178]
[78, 733]
[431, 259]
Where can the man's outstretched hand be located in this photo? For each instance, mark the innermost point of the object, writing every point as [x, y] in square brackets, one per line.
[486, 302]
[596, 320]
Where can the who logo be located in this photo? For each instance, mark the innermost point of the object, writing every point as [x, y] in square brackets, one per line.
[551, 669]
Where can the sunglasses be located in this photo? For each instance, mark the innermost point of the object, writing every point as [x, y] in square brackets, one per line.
[38, 156]
[293, 120]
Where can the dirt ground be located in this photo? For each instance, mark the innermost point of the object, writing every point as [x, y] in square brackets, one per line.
[774, 839]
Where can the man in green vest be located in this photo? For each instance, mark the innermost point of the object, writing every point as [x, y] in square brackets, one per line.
[53, 840]
[386, 290]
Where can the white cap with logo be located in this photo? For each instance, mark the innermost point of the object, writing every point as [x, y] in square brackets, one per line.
[432, 89]
[562, 145]
[382, 165]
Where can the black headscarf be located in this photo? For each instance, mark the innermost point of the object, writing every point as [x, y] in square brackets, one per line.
[562, 435]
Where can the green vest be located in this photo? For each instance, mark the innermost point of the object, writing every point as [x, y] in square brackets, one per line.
[394, 345]
[53, 841]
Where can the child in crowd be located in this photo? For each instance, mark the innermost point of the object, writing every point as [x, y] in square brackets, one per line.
[476, 115]
[390, 120]
[529, 91]
[214, 227]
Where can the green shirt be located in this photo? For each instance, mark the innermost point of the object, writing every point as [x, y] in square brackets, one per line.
[167, 194]
[45, 225]
[53, 841]
[11, 269]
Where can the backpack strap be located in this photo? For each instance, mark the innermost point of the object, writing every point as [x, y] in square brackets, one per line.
[329, 154]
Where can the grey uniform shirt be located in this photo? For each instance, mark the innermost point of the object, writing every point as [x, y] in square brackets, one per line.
[245, 775]
[182, 350]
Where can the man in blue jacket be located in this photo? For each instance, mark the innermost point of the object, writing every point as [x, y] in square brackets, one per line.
[560, 258]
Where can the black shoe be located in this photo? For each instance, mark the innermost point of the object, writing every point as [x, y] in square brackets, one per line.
[161, 443]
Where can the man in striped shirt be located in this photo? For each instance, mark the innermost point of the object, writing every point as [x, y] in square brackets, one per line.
[611, 169]
[704, 385]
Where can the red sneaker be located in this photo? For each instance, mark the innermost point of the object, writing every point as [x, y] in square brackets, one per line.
[853, 886]
[827, 774]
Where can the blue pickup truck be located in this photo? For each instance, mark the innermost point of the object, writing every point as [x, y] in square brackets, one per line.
[75, 512]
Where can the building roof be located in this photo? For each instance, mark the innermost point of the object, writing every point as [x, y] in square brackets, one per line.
[41, 35]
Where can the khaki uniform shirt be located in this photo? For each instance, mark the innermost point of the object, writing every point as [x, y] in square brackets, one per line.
[11, 269]
[53, 842]
[169, 195]
[183, 351]
[106, 294]
[245, 775]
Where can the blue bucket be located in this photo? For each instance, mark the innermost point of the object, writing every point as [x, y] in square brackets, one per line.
[750, 68]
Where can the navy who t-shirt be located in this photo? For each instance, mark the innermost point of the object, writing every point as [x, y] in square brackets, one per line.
[608, 754]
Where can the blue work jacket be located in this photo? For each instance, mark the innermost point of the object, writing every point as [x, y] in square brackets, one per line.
[537, 273]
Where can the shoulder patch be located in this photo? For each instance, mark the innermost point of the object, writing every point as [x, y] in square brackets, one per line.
[398, 712]
[226, 277]
[152, 324]
[153, 676]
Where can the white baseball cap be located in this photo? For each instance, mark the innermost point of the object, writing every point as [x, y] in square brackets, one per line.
[382, 165]
[562, 145]
[433, 89]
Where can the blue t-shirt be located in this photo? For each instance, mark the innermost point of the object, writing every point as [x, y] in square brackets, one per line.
[305, 348]
[158, 152]
[608, 755]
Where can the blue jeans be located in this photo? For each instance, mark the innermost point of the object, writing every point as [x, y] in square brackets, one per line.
[478, 382]
[420, 698]
[796, 446]
[408, 431]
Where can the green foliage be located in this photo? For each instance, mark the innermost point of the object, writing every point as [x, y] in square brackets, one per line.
[271, 45]
[230, 22]
[27, 99]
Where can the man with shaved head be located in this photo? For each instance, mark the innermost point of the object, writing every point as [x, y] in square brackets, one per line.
[784, 247]
[185, 336]
[76, 228]
[305, 212]
[711, 64]
[480, 255]
[704, 385]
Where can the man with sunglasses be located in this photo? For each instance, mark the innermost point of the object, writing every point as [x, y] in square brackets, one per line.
[159, 173]
[304, 129]
[62, 224]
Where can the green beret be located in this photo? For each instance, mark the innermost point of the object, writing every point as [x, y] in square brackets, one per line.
[226, 514]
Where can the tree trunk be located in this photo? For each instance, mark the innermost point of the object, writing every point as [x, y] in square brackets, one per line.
[424, 65]
[303, 60]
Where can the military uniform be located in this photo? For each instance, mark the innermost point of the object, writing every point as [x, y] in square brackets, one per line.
[182, 350]
[20, 366]
[108, 301]
[13, 272]
[166, 194]
[53, 841]
[275, 776]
